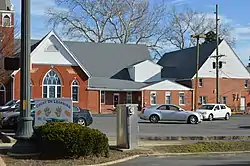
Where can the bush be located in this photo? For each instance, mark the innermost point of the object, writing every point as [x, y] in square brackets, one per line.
[70, 140]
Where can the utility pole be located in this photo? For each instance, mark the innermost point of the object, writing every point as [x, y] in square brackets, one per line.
[217, 58]
[197, 67]
[23, 146]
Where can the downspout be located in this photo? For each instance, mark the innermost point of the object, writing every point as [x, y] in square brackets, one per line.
[13, 86]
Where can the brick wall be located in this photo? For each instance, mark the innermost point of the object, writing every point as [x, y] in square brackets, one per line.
[160, 98]
[39, 71]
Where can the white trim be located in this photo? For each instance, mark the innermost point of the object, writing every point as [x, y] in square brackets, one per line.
[7, 11]
[153, 92]
[78, 86]
[129, 93]
[52, 85]
[184, 98]
[148, 61]
[100, 105]
[4, 91]
[101, 96]
[52, 33]
[170, 95]
[13, 87]
[10, 17]
[116, 94]
[107, 89]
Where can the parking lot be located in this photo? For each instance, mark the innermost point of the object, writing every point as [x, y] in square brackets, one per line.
[232, 127]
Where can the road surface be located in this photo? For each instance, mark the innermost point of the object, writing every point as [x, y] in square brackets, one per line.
[238, 160]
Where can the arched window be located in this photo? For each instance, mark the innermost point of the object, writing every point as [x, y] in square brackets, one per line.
[52, 85]
[2, 94]
[75, 91]
[6, 20]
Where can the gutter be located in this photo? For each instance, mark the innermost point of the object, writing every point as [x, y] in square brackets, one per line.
[109, 89]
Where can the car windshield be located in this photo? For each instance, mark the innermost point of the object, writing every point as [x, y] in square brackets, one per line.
[207, 107]
[10, 103]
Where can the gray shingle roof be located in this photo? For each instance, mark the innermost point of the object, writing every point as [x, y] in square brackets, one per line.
[107, 83]
[181, 64]
[108, 59]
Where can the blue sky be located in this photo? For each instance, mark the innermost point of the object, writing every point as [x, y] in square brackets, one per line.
[236, 12]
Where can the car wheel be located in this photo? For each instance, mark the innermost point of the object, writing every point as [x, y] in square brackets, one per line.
[227, 116]
[192, 119]
[210, 117]
[81, 121]
[154, 118]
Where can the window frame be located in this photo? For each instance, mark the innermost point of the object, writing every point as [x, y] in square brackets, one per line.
[75, 86]
[224, 97]
[246, 83]
[168, 94]
[200, 82]
[180, 95]
[129, 95]
[102, 95]
[202, 99]
[155, 98]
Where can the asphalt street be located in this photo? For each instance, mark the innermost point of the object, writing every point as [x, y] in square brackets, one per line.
[232, 127]
[238, 160]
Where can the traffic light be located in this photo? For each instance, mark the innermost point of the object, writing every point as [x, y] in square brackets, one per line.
[220, 64]
[11, 63]
[214, 65]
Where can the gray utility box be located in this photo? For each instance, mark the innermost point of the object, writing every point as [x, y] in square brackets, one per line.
[127, 126]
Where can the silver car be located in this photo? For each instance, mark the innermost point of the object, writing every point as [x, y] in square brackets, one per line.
[169, 112]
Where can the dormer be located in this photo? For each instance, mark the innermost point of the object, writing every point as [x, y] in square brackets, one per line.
[145, 71]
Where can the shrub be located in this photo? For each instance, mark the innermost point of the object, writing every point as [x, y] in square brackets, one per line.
[70, 140]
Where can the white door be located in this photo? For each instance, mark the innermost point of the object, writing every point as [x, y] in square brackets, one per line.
[165, 112]
[116, 99]
[217, 111]
[242, 103]
[223, 111]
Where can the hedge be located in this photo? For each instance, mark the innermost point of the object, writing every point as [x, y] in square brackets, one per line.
[70, 140]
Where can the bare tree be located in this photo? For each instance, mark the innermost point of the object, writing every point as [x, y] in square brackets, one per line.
[130, 21]
[119, 21]
[182, 24]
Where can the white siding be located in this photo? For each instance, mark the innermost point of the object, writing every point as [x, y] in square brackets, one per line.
[145, 71]
[232, 68]
[166, 85]
[59, 57]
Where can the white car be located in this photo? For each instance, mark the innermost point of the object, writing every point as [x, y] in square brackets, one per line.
[215, 111]
[169, 112]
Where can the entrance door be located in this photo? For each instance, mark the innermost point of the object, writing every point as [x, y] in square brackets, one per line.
[242, 103]
[116, 99]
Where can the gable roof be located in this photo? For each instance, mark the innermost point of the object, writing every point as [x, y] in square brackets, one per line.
[108, 59]
[181, 64]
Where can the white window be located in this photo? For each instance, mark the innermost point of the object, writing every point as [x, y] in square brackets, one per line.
[200, 82]
[203, 100]
[181, 98]
[152, 98]
[75, 91]
[102, 97]
[246, 83]
[168, 97]
[224, 100]
[6, 20]
[52, 85]
[129, 98]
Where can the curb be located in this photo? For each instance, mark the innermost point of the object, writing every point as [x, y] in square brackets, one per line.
[193, 138]
[116, 161]
[167, 154]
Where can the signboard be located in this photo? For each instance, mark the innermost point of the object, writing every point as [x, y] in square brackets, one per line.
[53, 110]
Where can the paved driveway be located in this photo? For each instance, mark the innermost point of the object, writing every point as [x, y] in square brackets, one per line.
[107, 124]
[239, 160]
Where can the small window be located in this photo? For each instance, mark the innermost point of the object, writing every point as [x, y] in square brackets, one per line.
[200, 82]
[168, 97]
[129, 98]
[153, 98]
[75, 91]
[246, 83]
[203, 100]
[181, 98]
[6, 21]
[224, 100]
[102, 97]
[217, 108]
